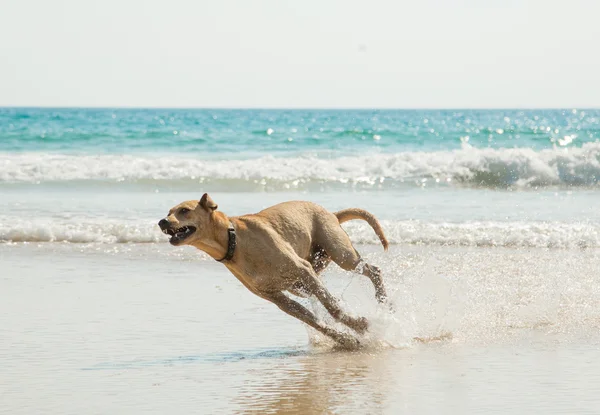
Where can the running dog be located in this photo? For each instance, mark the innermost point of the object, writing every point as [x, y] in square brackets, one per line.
[281, 249]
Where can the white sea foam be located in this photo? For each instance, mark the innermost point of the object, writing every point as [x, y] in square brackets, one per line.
[505, 234]
[519, 167]
[52, 230]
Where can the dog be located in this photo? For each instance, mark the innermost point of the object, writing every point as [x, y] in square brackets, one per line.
[281, 249]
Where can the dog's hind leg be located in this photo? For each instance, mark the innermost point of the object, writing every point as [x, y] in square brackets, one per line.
[374, 274]
[298, 311]
[339, 248]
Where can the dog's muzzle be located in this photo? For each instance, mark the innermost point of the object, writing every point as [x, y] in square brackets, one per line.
[177, 235]
[163, 224]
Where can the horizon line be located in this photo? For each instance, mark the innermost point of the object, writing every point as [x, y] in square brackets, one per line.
[267, 108]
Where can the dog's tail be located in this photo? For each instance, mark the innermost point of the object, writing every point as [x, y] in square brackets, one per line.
[356, 213]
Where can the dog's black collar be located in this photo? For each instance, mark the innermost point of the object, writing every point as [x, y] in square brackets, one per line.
[231, 244]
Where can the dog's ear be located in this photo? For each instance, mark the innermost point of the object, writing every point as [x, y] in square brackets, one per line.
[207, 203]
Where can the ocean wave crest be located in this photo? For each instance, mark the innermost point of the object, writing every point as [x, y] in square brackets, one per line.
[469, 166]
[483, 234]
[52, 230]
[476, 234]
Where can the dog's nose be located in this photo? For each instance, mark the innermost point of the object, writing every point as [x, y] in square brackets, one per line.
[163, 223]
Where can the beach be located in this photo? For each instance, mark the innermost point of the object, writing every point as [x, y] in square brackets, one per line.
[134, 329]
[492, 268]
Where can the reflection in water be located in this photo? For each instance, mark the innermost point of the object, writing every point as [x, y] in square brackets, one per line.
[319, 383]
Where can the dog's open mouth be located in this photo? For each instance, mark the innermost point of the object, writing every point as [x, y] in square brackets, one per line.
[179, 235]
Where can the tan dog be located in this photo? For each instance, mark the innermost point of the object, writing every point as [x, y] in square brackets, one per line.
[282, 248]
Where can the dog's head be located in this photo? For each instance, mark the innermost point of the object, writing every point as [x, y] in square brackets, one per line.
[187, 222]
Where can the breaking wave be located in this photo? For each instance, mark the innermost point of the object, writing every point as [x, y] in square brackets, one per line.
[486, 234]
[52, 230]
[469, 166]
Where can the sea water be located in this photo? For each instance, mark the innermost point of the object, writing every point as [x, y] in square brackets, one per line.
[494, 227]
[498, 178]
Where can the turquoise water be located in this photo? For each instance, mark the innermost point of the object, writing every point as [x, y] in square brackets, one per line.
[207, 133]
[478, 178]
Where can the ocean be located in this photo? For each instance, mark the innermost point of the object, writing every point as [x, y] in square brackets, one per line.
[497, 178]
[492, 215]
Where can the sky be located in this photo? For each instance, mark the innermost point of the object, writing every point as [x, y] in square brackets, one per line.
[300, 54]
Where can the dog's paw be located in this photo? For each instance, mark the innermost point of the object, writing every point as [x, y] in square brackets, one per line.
[361, 324]
[347, 342]
[385, 300]
[390, 306]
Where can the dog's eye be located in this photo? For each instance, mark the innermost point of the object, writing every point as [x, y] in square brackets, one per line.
[183, 211]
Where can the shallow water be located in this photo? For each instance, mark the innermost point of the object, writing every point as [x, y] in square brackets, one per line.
[467, 217]
[153, 329]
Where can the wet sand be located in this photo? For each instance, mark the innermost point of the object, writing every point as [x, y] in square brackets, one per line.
[148, 329]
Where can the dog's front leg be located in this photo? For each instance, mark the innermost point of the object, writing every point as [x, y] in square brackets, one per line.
[316, 287]
[295, 309]
[311, 281]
